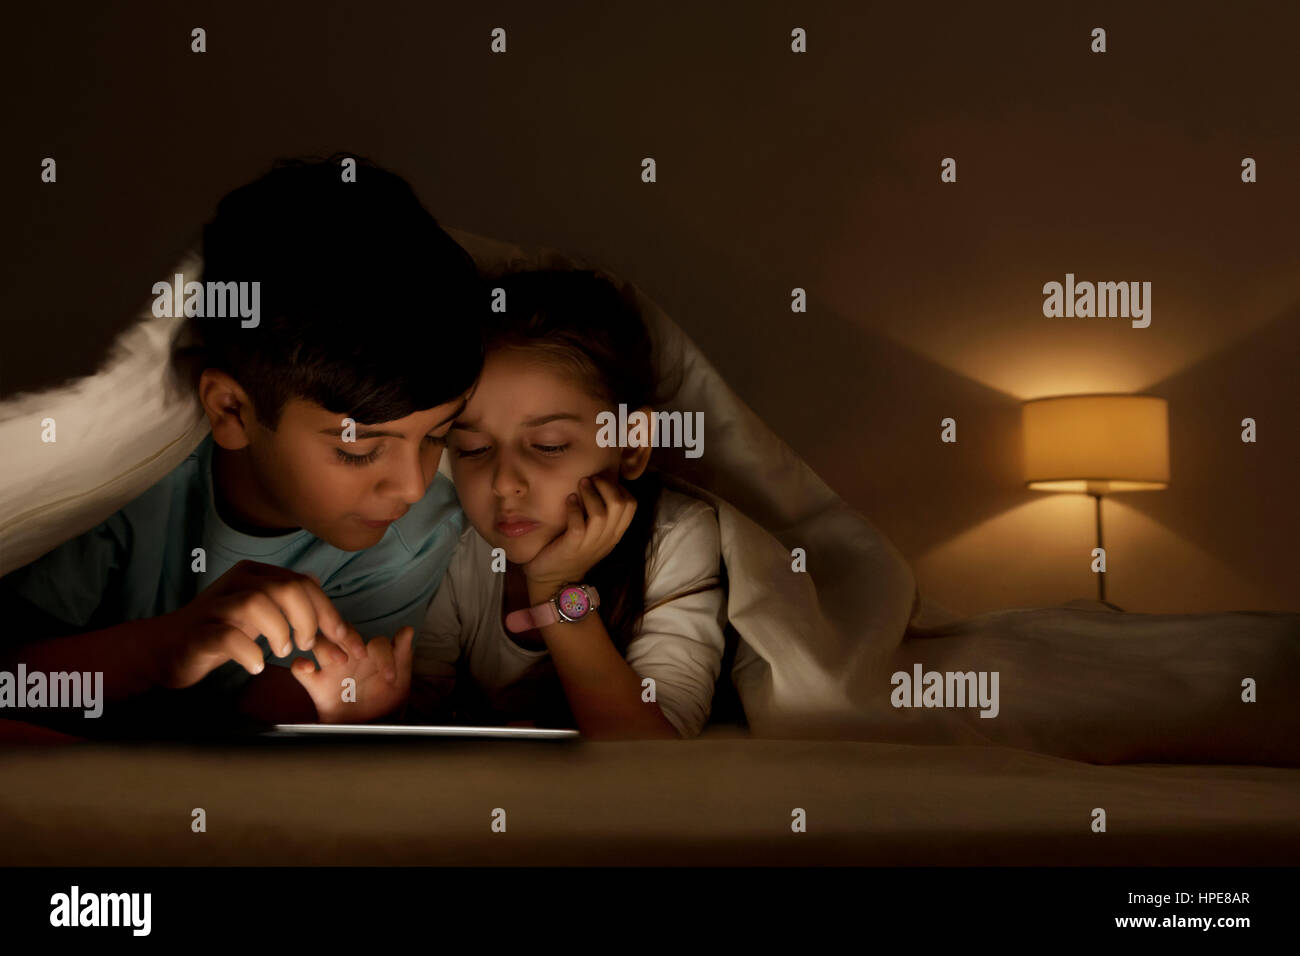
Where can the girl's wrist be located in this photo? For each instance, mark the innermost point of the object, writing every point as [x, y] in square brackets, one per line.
[547, 586]
[540, 591]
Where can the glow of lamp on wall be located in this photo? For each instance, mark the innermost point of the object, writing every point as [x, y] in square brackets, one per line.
[1096, 445]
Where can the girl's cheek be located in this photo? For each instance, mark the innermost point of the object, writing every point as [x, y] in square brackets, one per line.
[467, 483]
[463, 480]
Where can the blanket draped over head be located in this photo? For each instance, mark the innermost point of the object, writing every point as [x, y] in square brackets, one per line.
[816, 649]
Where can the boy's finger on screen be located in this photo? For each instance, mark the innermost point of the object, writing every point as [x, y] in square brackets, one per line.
[330, 621]
[293, 599]
[267, 616]
[254, 614]
[237, 645]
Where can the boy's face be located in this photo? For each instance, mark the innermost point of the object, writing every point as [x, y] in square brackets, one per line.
[297, 477]
[513, 469]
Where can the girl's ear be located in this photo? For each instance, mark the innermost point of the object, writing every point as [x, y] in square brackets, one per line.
[634, 460]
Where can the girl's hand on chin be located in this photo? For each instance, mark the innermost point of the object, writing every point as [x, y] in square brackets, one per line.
[609, 508]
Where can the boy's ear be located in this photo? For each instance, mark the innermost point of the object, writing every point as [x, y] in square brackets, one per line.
[229, 410]
[633, 461]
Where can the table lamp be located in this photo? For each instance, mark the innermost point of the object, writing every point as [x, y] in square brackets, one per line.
[1096, 444]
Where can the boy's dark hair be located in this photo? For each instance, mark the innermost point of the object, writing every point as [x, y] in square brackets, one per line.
[587, 328]
[368, 308]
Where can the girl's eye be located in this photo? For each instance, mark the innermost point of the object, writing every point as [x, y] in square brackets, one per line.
[437, 440]
[476, 452]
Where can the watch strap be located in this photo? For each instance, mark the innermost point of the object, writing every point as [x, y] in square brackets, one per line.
[525, 619]
[546, 613]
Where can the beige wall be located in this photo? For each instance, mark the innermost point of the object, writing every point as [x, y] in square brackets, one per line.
[776, 171]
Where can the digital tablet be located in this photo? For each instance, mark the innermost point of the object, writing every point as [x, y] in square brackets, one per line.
[417, 730]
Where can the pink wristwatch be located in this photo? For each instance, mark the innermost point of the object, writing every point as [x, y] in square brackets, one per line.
[570, 603]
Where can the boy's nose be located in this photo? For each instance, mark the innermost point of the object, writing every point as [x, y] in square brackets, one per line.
[407, 479]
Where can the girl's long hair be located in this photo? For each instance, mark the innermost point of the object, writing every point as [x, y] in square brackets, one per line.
[589, 329]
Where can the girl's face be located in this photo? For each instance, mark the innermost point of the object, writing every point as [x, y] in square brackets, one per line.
[525, 440]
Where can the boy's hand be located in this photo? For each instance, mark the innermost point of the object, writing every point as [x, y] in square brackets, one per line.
[223, 624]
[609, 510]
[383, 680]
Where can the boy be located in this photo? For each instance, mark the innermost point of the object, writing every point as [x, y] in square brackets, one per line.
[367, 312]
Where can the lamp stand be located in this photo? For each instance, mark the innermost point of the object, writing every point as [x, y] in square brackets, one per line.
[1101, 575]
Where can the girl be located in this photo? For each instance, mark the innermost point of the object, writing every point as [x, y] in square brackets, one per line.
[561, 522]
[583, 593]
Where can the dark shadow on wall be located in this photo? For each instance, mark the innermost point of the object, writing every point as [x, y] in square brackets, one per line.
[1238, 500]
[864, 411]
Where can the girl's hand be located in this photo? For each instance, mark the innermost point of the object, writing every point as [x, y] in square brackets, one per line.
[383, 680]
[609, 509]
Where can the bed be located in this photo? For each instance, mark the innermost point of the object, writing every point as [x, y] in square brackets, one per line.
[1147, 717]
[721, 799]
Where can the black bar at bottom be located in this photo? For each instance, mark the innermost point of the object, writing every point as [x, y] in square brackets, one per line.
[658, 906]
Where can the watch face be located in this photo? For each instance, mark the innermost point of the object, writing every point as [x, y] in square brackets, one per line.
[573, 602]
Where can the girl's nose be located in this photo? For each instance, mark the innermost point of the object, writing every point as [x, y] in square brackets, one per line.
[507, 479]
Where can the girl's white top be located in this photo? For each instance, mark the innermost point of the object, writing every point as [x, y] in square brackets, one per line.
[678, 642]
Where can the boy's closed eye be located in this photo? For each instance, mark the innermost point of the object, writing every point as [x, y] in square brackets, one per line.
[436, 440]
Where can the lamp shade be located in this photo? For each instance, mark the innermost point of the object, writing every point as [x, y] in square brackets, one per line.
[1096, 443]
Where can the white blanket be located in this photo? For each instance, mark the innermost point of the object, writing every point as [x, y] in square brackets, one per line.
[818, 648]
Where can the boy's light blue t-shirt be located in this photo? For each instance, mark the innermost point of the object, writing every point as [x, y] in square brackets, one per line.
[137, 563]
